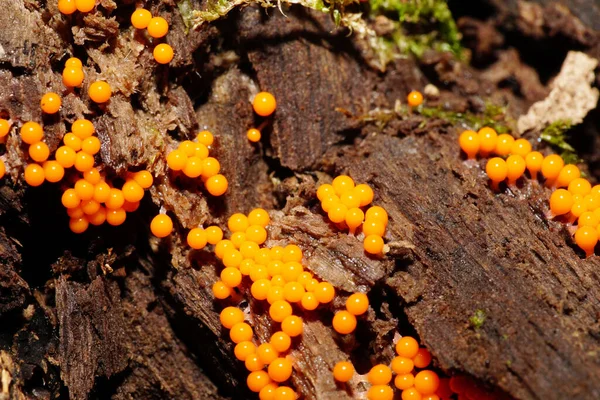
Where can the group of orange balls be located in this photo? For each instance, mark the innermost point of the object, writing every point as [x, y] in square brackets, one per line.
[578, 204]
[343, 201]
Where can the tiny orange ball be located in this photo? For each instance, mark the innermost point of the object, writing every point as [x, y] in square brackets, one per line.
[469, 143]
[72, 77]
[98, 218]
[343, 371]
[402, 365]
[292, 325]
[70, 199]
[141, 18]
[4, 127]
[72, 141]
[309, 301]
[161, 226]
[158, 27]
[275, 294]
[344, 322]
[65, 156]
[380, 375]
[232, 277]
[257, 380]
[337, 213]
[325, 292]
[210, 167]
[216, 185]
[78, 225]
[115, 198]
[551, 166]
[91, 145]
[284, 393]
[253, 363]
[31, 132]
[407, 347]
[342, 184]
[567, 174]
[163, 53]
[253, 135]
[280, 369]
[423, 358]
[73, 62]
[586, 238]
[240, 332]
[324, 191]
[132, 191]
[279, 310]
[377, 212]
[90, 207]
[373, 227]
[144, 179]
[281, 341]
[205, 137]
[580, 186]
[380, 392]
[373, 244]
[92, 176]
[496, 169]
[487, 140]
[258, 216]
[176, 160]
[67, 7]
[350, 199]
[34, 175]
[293, 291]
[414, 98]
[197, 238]
[515, 168]
[84, 189]
[116, 217]
[85, 5]
[260, 289]
[53, 171]
[357, 303]
[50, 103]
[230, 316]
[534, 162]
[264, 104]
[39, 152]
[365, 194]
[404, 381]
[266, 353]
[99, 92]
[83, 161]
[256, 234]
[214, 234]
[504, 144]
[561, 202]
[521, 147]
[427, 382]
[244, 349]
[411, 394]
[220, 290]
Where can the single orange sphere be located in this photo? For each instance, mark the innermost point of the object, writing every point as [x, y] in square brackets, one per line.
[337, 213]
[221, 291]
[266, 353]
[414, 98]
[73, 77]
[205, 137]
[343, 371]
[258, 380]
[264, 104]
[293, 291]
[50, 103]
[39, 152]
[324, 190]
[216, 185]
[34, 175]
[496, 169]
[281, 341]
[275, 294]
[380, 392]
[201, 151]
[580, 186]
[515, 165]
[551, 166]
[256, 234]
[232, 277]
[84, 189]
[244, 349]
[70, 199]
[158, 27]
[373, 244]
[404, 381]
[423, 358]
[102, 193]
[325, 292]
[411, 394]
[141, 18]
[116, 217]
[260, 217]
[240, 332]
[377, 212]
[343, 184]
[176, 160]
[98, 218]
[589, 218]
[99, 92]
[284, 393]
[78, 225]
[280, 369]
[31, 132]
[231, 316]
[90, 145]
[407, 347]
[144, 179]
[132, 192]
[402, 365]
[357, 303]
[534, 162]
[73, 62]
[214, 234]
[469, 143]
[487, 140]
[521, 147]
[197, 238]
[163, 53]
[344, 322]
[92, 176]
[65, 156]
[279, 310]
[292, 325]
[292, 253]
[591, 201]
[85, 5]
[427, 382]
[237, 222]
[380, 375]
[83, 161]
[586, 238]
[161, 226]
[567, 174]
[210, 167]
[373, 227]
[561, 202]
[309, 301]
[90, 207]
[268, 392]
[364, 193]
[253, 135]
[53, 171]
[350, 199]
[67, 7]
[504, 144]
[355, 218]
[4, 127]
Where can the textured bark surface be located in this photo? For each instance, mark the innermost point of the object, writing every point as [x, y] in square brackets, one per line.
[117, 313]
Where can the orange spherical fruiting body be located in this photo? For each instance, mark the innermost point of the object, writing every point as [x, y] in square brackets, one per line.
[257, 380]
[98, 218]
[78, 225]
[354, 218]
[504, 144]
[309, 301]
[469, 143]
[141, 18]
[132, 191]
[561, 202]
[102, 193]
[266, 353]
[163, 53]
[91, 145]
[281, 341]
[343, 371]
[230, 316]
[268, 392]
[357, 303]
[279, 310]
[260, 289]
[377, 213]
[84, 189]
[427, 382]
[85, 5]
[232, 277]
[293, 291]
[586, 238]
[350, 199]
[67, 7]
[373, 244]
[144, 179]
[515, 168]
[205, 137]
[244, 349]
[116, 217]
[588, 218]
[551, 167]
[275, 294]
[373, 227]
[161, 226]
[591, 201]
[364, 193]
[65, 156]
[422, 358]
[521, 147]
[210, 167]
[342, 184]
[50, 103]
[402, 365]
[324, 191]
[497, 170]
[4, 127]
[280, 369]
[253, 135]
[197, 238]
[534, 162]
[53, 171]
[325, 292]
[260, 217]
[407, 347]
[344, 322]
[380, 392]
[292, 325]
[411, 394]
[567, 175]
[31, 132]
[414, 98]
[284, 393]
[214, 234]
[158, 27]
[73, 62]
[92, 176]
[253, 363]
[90, 207]
[237, 222]
[337, 213]
[72, 77]
[70, 199]
[99, 92]
[72, 141]
[222, 246]
[580, 186]
[404, 381]
[176, 160]
[264, 104]
[216, 185]
[83, 161]
[34, 175]
[292, 253]
[380, 375]
[221, 291]
[256, 234]
[329, 202]
[240, 332]
[487, 140]
[39, 152]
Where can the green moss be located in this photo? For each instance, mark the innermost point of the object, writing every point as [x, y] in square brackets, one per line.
[556, 135]
[493, 116]
[476, 321]
[185, 9]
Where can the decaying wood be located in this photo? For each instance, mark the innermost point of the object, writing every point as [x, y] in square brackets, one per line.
[115, 313]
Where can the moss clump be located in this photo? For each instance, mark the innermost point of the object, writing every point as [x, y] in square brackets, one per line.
[556, 135]
[493, 116]
[476, 321]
